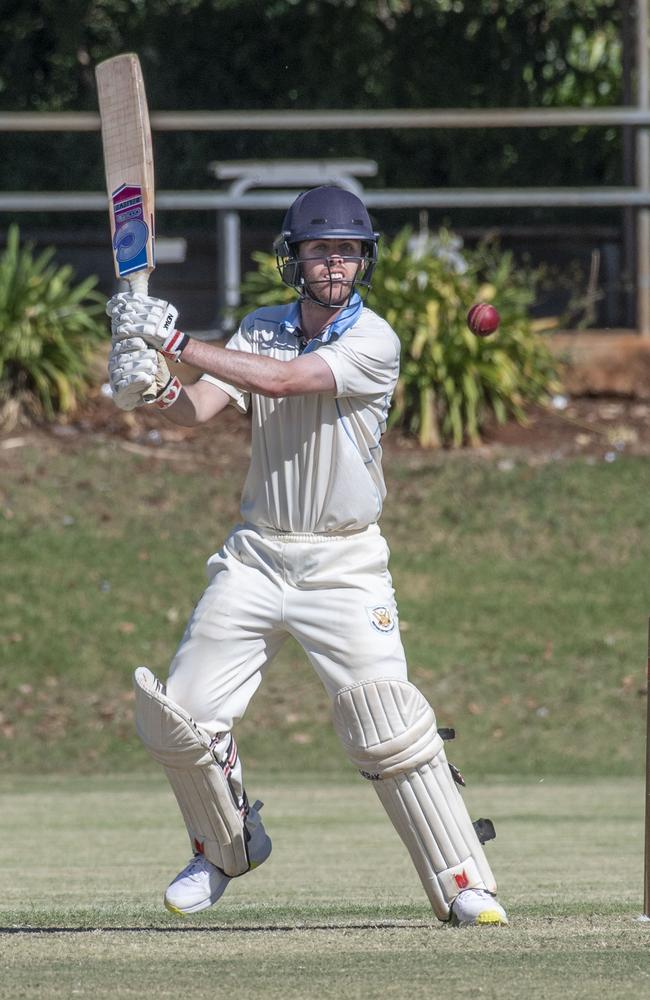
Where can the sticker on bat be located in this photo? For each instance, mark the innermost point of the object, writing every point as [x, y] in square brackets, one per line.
[131, 230]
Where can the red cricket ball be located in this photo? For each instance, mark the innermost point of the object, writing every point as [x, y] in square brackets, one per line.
[483, 319]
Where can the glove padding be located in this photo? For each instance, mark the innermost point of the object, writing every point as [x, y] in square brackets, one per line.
[136, 370]
[153, 320]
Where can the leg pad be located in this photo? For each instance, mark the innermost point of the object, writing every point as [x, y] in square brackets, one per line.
[213, 814]
[389, 731]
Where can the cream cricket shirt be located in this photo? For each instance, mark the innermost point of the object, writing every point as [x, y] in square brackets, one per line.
[316, 459]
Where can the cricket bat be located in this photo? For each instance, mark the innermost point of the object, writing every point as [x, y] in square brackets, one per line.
[128, 164]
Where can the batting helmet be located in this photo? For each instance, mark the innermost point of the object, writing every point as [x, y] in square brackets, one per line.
[329, 213]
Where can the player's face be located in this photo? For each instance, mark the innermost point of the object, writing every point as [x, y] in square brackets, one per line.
[329, 267]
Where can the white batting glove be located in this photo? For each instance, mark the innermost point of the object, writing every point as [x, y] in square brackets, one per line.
[131, 372]
[153, 320]
[135, 369]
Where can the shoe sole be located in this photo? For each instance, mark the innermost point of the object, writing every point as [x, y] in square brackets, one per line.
[176, 910]
[489, 918]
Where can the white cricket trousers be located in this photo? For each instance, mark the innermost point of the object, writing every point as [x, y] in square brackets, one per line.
[332, 593]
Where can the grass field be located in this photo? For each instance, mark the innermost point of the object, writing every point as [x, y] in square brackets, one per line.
[336, 911]
[524, 603]
[522, 589]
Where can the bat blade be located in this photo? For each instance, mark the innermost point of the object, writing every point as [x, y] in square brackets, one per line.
[128, 163]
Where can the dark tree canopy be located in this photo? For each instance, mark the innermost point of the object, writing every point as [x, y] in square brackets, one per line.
[365, 54]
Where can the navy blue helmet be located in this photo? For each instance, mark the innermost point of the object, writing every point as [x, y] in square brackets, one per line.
[326, 212]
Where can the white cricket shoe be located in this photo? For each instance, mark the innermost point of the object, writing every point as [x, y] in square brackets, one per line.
[477, 908]
[201, 883]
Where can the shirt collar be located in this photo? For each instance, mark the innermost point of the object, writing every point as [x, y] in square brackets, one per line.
[291, 322]
[346, 319]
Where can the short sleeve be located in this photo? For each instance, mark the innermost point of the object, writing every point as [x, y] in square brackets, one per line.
[364, 362]
[239, 341]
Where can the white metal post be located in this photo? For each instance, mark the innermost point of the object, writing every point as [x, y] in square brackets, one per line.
[643, 173]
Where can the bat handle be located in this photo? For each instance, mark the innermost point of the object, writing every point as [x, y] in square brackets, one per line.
[139, 282]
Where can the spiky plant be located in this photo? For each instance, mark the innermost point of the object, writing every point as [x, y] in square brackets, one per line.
[50, 328]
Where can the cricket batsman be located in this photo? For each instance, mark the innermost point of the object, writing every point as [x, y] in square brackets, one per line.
[307, 560]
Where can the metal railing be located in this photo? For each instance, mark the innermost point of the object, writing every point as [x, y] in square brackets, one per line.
[381, 198]
[317, 121]
[227, 207]
[633, 198]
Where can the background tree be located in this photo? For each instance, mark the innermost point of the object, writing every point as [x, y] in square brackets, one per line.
[364, 54]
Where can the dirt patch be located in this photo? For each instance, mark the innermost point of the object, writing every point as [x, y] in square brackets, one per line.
[603, 427]
[597, 426]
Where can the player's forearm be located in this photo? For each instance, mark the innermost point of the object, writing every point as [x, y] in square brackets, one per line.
[196, 404]
[134, 316]
[183, 412]
[265, 376]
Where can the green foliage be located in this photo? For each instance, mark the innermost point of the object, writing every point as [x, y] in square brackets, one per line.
[373, 54]
[451, 381]
[264, 286]
[49, 328]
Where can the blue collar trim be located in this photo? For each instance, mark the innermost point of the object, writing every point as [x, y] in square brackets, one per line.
[346, 319]
[291, 322]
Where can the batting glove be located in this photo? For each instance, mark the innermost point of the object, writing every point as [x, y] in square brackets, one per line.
[153, 320]
[138, 374]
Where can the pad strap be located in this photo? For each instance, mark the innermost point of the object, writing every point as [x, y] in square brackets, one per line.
[213, 815]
